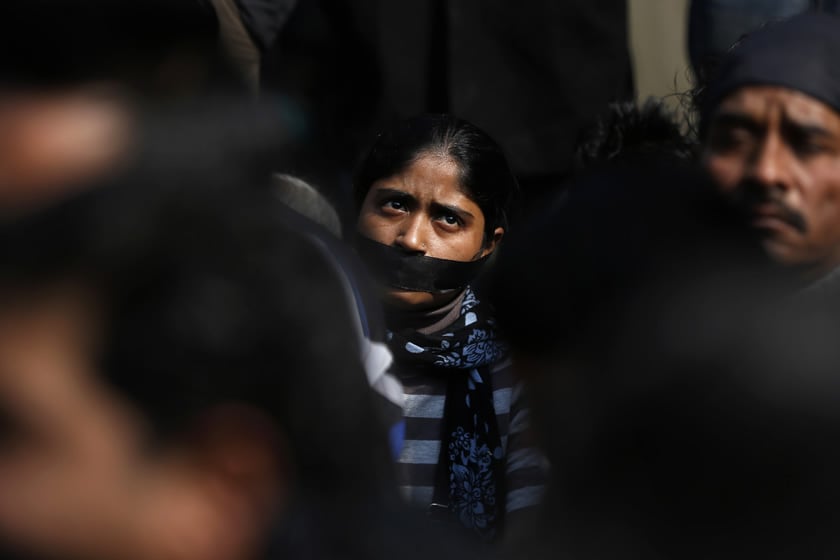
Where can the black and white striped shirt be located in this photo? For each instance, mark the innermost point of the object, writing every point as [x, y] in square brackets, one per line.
[525, 468]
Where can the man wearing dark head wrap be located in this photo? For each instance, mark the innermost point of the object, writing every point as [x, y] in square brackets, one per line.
[771, 134]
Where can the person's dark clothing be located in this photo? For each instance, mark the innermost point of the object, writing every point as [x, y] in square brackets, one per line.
[264, 19]
[531, 74]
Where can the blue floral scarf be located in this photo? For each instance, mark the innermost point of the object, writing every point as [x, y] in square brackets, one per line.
[471, 465]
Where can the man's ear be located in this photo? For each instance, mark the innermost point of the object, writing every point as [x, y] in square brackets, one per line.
[493, 241]
[220, 486]
[240, 471]
[242, 449]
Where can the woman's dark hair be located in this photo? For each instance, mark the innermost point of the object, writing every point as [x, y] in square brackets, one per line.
[485, 174]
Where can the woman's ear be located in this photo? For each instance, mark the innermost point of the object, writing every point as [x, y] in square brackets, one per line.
[492, 241]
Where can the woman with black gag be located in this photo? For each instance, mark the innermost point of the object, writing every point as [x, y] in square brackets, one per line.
[434, 196]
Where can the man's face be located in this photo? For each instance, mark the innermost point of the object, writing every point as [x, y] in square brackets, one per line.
[776, 153]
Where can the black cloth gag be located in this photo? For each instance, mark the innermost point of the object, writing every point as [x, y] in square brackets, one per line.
[417, 273]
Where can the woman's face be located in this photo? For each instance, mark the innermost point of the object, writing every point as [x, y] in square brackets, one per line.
[424, 210]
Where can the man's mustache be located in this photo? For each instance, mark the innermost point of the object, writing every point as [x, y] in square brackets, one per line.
[749, 199]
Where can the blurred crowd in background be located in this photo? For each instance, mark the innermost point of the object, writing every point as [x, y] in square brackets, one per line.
[417, 279]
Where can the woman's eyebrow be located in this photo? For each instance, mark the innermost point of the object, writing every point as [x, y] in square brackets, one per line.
[387, 191]
[454, 209]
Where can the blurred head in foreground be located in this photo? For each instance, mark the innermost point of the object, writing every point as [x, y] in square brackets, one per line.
[684, 414]
[178, 373]
[628, 130]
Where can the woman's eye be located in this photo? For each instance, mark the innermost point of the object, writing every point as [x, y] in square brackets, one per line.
[451, 219]
[394, 205]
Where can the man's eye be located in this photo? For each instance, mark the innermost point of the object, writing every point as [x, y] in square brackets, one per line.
[9, 428]
[729, 139]
[808, 147]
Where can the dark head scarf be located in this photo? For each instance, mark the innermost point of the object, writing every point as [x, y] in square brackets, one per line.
[801, 53]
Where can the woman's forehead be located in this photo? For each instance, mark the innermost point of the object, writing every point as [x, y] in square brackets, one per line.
[429, 176]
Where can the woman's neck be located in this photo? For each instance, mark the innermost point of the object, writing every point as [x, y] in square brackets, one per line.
[425, 321]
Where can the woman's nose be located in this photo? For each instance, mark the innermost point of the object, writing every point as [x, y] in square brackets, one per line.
[412, 235]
